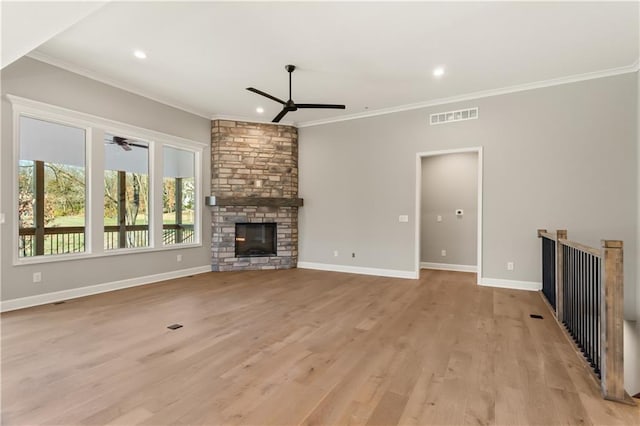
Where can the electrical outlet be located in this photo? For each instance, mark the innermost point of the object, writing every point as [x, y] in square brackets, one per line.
[510, 266]
[37, 277]
[335, 253]
[353, 255]
[443, 253]
[2, 218]
[403, 218]
[179, 258]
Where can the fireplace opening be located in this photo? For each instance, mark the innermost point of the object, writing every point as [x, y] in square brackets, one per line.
[255, 239]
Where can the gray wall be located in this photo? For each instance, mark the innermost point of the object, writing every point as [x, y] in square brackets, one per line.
[449, 182]
[555, 157]
[42, 82]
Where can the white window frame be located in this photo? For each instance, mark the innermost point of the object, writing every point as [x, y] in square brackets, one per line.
[197, 171]
[113, 130]
[95, 128]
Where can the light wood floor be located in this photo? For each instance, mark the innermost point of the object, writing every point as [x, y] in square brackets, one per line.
[298, 347]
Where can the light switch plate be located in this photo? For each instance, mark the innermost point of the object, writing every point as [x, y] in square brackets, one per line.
[403, 218]
[439, 218]
[2, 218]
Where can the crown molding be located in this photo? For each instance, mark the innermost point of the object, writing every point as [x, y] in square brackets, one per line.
[480, 94]
[634, 67]
[39, 56]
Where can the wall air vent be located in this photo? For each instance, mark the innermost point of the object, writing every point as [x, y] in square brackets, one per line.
[451, 116]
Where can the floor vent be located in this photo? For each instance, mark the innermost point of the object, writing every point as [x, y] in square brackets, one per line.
[58, 303]
[174, 326]
[536, 316]
[451, 116]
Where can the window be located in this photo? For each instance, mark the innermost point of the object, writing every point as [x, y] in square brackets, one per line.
[51, 188]
[126, 193]
[87, 186]
[178, 196]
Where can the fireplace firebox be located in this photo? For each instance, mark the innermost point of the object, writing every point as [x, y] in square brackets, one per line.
[255, 239]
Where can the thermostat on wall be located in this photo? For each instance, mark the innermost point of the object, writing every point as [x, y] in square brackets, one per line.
[459, 212]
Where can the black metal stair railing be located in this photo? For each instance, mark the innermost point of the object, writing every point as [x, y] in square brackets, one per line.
[585, 288]
[549, 270]
[582, 286]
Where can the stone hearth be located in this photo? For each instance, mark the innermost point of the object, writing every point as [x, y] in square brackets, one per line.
[254, 179]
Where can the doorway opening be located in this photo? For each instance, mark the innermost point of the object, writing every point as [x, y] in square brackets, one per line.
[449, 210]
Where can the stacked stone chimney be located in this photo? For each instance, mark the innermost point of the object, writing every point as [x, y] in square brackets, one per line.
[254, 179]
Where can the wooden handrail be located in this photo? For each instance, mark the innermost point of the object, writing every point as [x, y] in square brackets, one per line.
[594, 251]
[542, 233]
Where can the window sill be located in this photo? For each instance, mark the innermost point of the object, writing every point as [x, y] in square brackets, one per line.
[35, 260]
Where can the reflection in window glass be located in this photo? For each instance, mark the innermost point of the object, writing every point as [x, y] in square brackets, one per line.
[178, 198]
[51, 188]
[126, 193]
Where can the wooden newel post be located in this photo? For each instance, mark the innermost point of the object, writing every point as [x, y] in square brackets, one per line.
[611, 317]
[561, 234]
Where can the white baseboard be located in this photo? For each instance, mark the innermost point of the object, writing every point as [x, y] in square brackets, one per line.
[512, 284]
[57, 296]
[392, 273]
[448, 267]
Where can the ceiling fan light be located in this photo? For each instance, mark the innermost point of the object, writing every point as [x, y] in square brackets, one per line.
[259, 110]
[438, 72]
[139, 54]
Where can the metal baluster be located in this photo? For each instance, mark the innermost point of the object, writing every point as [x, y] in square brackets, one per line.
[588, 304]
[571, 289]
[576, 298]
[597, 292]
[573, 292]
[576, 276]
[578, 307]
[565, 286]
[569, 278]
[583, 316]
[594, 312]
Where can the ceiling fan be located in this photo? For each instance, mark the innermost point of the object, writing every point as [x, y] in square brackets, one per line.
[290, 105]
[125, 143]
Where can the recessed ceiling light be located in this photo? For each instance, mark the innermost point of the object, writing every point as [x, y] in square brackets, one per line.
[259, 110]
[139, 54]
[438, 72]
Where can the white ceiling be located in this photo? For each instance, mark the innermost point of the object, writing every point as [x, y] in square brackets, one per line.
[369, 56]
[26, 25]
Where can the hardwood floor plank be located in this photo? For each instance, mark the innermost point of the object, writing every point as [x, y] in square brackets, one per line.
[298, 347]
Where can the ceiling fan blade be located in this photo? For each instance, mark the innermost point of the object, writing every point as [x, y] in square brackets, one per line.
[138, 145]
[266, 95]
[280, 115]
[325, 106]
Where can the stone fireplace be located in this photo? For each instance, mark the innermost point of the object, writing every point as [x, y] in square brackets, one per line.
[254, 180]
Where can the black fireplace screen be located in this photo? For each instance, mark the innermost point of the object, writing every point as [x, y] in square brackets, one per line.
[255, 239]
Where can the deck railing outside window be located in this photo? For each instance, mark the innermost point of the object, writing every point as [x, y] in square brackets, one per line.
[70, 239]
